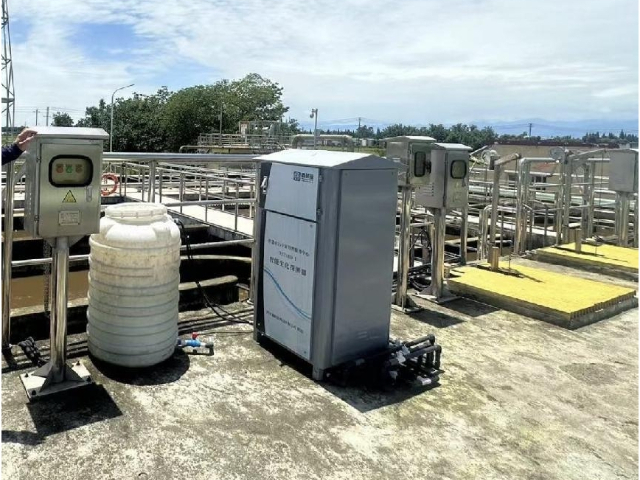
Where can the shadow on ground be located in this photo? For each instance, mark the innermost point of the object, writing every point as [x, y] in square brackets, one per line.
[65, 411]
[362, 394]
[166, 372]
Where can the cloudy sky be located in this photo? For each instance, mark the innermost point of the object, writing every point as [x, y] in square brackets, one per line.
[410, 61]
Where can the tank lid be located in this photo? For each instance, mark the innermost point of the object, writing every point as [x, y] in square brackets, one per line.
[136, 210]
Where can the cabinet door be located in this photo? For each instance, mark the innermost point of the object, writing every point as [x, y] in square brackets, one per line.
[288, 267]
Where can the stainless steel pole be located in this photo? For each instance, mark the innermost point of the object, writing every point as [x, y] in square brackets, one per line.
[520, 226]
[8, 255]
[623, 227]
[566, 201]
[463, 234]
[59, 322]
[635, 222]
[437, 252]
[404, 246]
[495, 197]
[152, 181]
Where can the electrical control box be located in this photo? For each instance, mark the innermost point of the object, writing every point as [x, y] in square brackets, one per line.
[446, 181]
[63, 172]
[623, 170]
[411, 153]
[323, 261]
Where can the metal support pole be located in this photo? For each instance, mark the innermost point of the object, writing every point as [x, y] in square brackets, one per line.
[152, 181]
[463, 234]
[495, 197]
[521, 220]
[437, 252]
[566, 200]
[494, 258]
[256, 231]
[586, 223]
[7, 257]
[59, 320]
[181, 190]
[623, 224]
[578, 240]
[635, 222]
[501, 230]
[402, 275]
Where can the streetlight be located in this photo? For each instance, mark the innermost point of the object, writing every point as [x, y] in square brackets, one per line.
[314, 114]
[111, 129]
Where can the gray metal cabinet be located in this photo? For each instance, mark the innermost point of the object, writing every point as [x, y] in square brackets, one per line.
[323, 262]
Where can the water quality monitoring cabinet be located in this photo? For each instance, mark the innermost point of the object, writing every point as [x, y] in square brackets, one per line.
[325, 228]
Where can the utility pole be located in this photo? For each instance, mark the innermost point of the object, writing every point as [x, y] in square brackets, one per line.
[47, 116]
[314, 114]
[111, 127]
[530, 125]
[36, 117]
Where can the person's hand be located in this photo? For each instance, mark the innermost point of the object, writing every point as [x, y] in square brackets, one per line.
[23, 139]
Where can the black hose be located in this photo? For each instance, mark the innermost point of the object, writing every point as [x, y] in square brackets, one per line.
[228, 316]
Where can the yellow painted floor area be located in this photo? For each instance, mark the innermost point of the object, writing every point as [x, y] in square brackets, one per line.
[607, 255]
[552, 292]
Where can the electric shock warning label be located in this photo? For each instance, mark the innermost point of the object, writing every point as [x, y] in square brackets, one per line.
[69, 198]
[288, 273]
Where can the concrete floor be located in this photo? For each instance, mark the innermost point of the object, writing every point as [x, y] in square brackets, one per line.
[520, 399]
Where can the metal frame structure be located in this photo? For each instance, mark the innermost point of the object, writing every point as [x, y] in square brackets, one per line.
[8, 87]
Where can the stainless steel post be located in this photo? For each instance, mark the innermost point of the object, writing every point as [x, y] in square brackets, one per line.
[557, 218]
[59, 322]
[566, 200]
[7, 256]
[501, 230]
[546, 225]
[403, 248]
[463, 234]
[152, 181]
[256, 226]
[181, 190]
[121, 178]
[623, 227]
[235, 212]
[495, 197]
[141, 178]
[206, 194]
[437, 251]
[635, 222]
[521, 189]
[483, 241]
[578, 240]
[494, 258]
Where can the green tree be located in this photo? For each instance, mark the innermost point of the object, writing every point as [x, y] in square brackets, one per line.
[96, 117]
[138, 123]
[195, 110]
[61, 119]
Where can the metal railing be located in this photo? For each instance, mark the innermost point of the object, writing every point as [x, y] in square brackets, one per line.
[146, 174]
[217, 181]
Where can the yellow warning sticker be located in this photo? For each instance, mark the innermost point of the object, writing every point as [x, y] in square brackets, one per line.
[69, 198]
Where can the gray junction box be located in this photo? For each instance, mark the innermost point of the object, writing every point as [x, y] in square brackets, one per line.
[62, 192]
[411, 153]
[623, 170]
[446, 181]
[323, 262]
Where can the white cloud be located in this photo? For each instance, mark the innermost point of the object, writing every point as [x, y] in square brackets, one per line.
[411, 61]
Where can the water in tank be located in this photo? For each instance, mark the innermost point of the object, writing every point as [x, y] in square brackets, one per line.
[134, 282]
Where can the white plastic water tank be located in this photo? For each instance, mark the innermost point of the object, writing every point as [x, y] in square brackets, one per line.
[134, 275]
